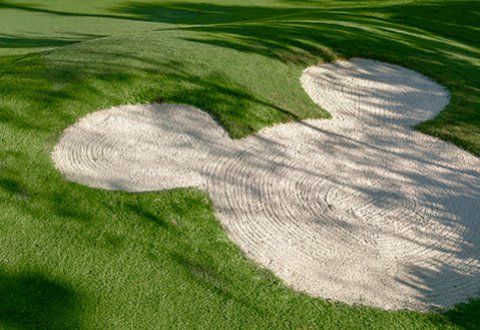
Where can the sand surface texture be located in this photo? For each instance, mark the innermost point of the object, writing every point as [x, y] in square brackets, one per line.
[360, 209]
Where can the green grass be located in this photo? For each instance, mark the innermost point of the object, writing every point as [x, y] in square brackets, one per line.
[75, 257]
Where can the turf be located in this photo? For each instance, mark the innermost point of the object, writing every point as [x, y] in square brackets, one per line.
[75, 257]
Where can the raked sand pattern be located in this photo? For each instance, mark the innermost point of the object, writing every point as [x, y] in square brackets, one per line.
[360, 209]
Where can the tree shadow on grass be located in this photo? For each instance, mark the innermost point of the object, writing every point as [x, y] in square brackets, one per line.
[444, 46]
[433, 37]
[11, 41]
[304, 35]
[466, 316]
[455, 19]
[32, 301]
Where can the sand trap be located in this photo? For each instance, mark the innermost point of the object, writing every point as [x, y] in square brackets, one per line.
[359, 209]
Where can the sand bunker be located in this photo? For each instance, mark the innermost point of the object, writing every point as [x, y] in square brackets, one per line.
[360, 209]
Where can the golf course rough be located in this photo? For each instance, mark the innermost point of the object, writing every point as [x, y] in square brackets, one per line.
[361, 209]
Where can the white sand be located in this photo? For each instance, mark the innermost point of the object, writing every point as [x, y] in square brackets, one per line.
[360, 209]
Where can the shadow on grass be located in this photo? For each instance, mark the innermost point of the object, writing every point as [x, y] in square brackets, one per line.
[203, 274]
[437, 38]
[32, 301]
[466, 315]
[9, 41]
